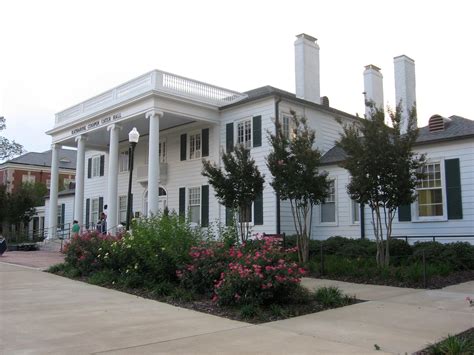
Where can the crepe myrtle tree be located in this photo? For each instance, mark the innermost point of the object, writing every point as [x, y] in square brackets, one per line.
[294, 165]
[237, 185]
[383, 168]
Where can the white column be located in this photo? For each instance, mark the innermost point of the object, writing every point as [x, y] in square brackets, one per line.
[112, 179]
[53, 192]
[80, 169]
[153, 162]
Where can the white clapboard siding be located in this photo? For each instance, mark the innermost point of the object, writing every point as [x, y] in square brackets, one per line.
[266, 109]
[462, 149]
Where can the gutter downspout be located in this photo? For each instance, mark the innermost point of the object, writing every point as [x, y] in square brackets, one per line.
[362, 221]
[277, 119]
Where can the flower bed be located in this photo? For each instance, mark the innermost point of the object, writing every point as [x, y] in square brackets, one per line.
[257, 281]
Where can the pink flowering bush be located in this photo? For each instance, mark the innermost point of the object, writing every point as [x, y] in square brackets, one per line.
[83, 250]
[209, 260]
[256, 272]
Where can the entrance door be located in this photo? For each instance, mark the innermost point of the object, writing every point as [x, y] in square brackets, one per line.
[162, 201]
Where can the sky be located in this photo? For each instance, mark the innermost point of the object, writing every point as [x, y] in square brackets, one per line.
[55, 54]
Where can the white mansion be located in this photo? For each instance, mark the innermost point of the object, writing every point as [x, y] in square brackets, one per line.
[181, 121]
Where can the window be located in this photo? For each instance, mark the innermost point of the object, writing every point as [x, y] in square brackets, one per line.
[328, 208]
[430, 191]
[285, 126]
[244, 133]
[355, 212]
[48, 183]
[123, 161]
[162, 151]
[94, 210]
[95, 166]
[194, 146]
[194, 204]
[28, 179]
[122, 209]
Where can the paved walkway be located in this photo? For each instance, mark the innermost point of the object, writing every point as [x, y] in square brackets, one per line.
[42, 313]
[38, 259]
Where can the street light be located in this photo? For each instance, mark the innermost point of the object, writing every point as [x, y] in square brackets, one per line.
[133, 136]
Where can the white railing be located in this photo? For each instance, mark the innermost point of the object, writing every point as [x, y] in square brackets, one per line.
[142, 173]
[158, 81]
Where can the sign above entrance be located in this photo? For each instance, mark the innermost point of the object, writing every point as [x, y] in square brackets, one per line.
[96, 123]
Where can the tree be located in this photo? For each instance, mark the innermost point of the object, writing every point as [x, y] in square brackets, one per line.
[383, 168]
[294, 164]
[237, 186]
[8, 149]
[22, 202]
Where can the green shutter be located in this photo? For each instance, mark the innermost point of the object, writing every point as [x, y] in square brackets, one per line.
[63, 212]
[102, 165]
[453, 188]
[88, 207]
[229, 137]
[204, 205]
[404, 213]
[182, 201]
[184, 138]
[205, 142]
[101, 205]
[229, 215]
[257, 131]
[89, 168]
[258, 210]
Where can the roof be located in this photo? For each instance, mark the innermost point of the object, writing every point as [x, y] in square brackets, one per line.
[334, 155]
[67, 159]
[267, 91]
[456, 128]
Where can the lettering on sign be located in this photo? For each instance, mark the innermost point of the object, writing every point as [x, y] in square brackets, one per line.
[96, 123]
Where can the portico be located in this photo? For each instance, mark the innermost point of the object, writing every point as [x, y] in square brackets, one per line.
[154, 103]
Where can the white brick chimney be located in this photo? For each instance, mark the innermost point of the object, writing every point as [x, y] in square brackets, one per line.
[405, 86]
[307, 68]
[373, 87]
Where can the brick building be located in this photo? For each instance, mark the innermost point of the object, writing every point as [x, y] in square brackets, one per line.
[36, 167]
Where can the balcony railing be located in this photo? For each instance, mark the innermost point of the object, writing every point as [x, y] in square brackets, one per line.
[142, 173]
[158, 81]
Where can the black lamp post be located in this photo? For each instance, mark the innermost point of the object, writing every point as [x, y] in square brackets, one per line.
[133, 139]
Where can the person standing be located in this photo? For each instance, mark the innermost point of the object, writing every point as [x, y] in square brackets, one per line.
[75, 228]
[103, 223]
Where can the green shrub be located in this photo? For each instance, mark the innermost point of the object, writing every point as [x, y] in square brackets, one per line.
[400, 248]
[276, 310]
[330, 297]
[182, 295]
[453, 345]
[248, 311]
[459, 254]
[103, 278]
[173, 234]
[432, 250]
[162, 289]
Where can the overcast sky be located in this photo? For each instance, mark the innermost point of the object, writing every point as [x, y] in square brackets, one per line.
[54, 54]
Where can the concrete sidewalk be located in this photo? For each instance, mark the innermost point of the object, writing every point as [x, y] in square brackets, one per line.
[42, 313]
